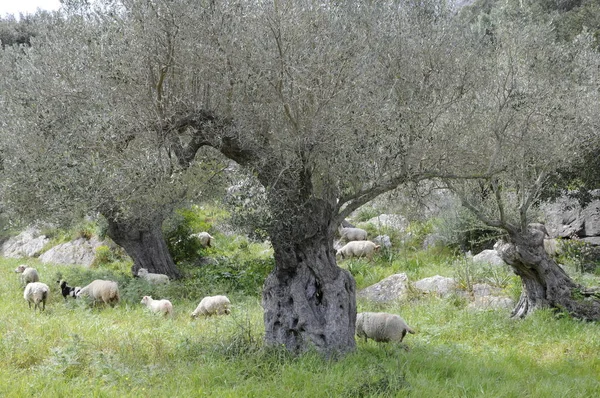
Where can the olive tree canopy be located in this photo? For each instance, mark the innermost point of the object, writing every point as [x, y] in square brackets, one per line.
[84, 110]
[537, 108]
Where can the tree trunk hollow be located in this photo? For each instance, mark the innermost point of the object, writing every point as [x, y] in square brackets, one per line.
[146, 245]
[311, 305]
[544, 283]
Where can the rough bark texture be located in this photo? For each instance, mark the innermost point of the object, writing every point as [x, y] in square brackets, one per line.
[146, 245]
[545, 284]
[308, 300]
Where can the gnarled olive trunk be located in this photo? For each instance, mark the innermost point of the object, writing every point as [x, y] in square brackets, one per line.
[309, 302]
[545, 284]
[145, 244]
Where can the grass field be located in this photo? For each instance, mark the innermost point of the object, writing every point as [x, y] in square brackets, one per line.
[72, 350]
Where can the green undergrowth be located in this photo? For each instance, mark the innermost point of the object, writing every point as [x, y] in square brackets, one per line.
[76, 350]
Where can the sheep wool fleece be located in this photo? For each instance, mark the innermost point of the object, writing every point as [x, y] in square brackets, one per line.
[381, 326]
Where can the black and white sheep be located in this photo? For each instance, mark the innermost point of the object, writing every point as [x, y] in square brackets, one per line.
[28, 274]
[67, 290]
[352, 234]
[212, 305]
[101, 290]
[358, 248]
[158, 306]
[156, 279]
[381, 326]
[36, 293]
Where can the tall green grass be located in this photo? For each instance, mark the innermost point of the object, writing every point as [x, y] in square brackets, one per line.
[72, 350]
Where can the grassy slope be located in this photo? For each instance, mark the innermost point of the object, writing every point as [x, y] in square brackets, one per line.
[72, 350]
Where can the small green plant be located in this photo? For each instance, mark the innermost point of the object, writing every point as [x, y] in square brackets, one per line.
[85, 229]
[365, 213]
[499, 276]
[465, 273]
[583, 256]
[103, 256]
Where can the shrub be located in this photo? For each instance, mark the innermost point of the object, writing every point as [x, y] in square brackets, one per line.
[583, 256]
[365, 213]
[103, 256]
[231, 274]
[178, 235]
[461, 230]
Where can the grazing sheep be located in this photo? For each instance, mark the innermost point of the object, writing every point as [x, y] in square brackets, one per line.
[352, 234]
[204, 238]
[36, 293]
[156, 279]
[358, 248]
[67, 290]
[28, 274]
[212, 305]
[101, 291]
[381, 326]
[157, 306]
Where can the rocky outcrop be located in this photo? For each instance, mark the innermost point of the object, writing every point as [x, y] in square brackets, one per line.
[440, 285]
[392, 288]
[395, 287]
[488, 257]
[78, 252]
[565, 218]
[383, 241]
[28, 243]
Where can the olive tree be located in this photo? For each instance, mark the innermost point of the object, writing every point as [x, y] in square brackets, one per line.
[329, 105]
[84, 110]
[537, 105]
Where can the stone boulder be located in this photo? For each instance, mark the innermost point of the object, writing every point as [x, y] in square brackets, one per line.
[440, 285]
[394, 287]
[27, 244]
[488, 257]
[591, 219]
[565, 218]
[78, 252]
[592, 240]
[383, 241]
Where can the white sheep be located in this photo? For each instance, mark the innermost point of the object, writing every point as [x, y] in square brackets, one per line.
[352, 234]
[36, 293]
[101, 290]
[156, 279]
[204, 238]
[212, 305]
[28, 274]
[381, 326]
[157, 306]
[358, 248]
